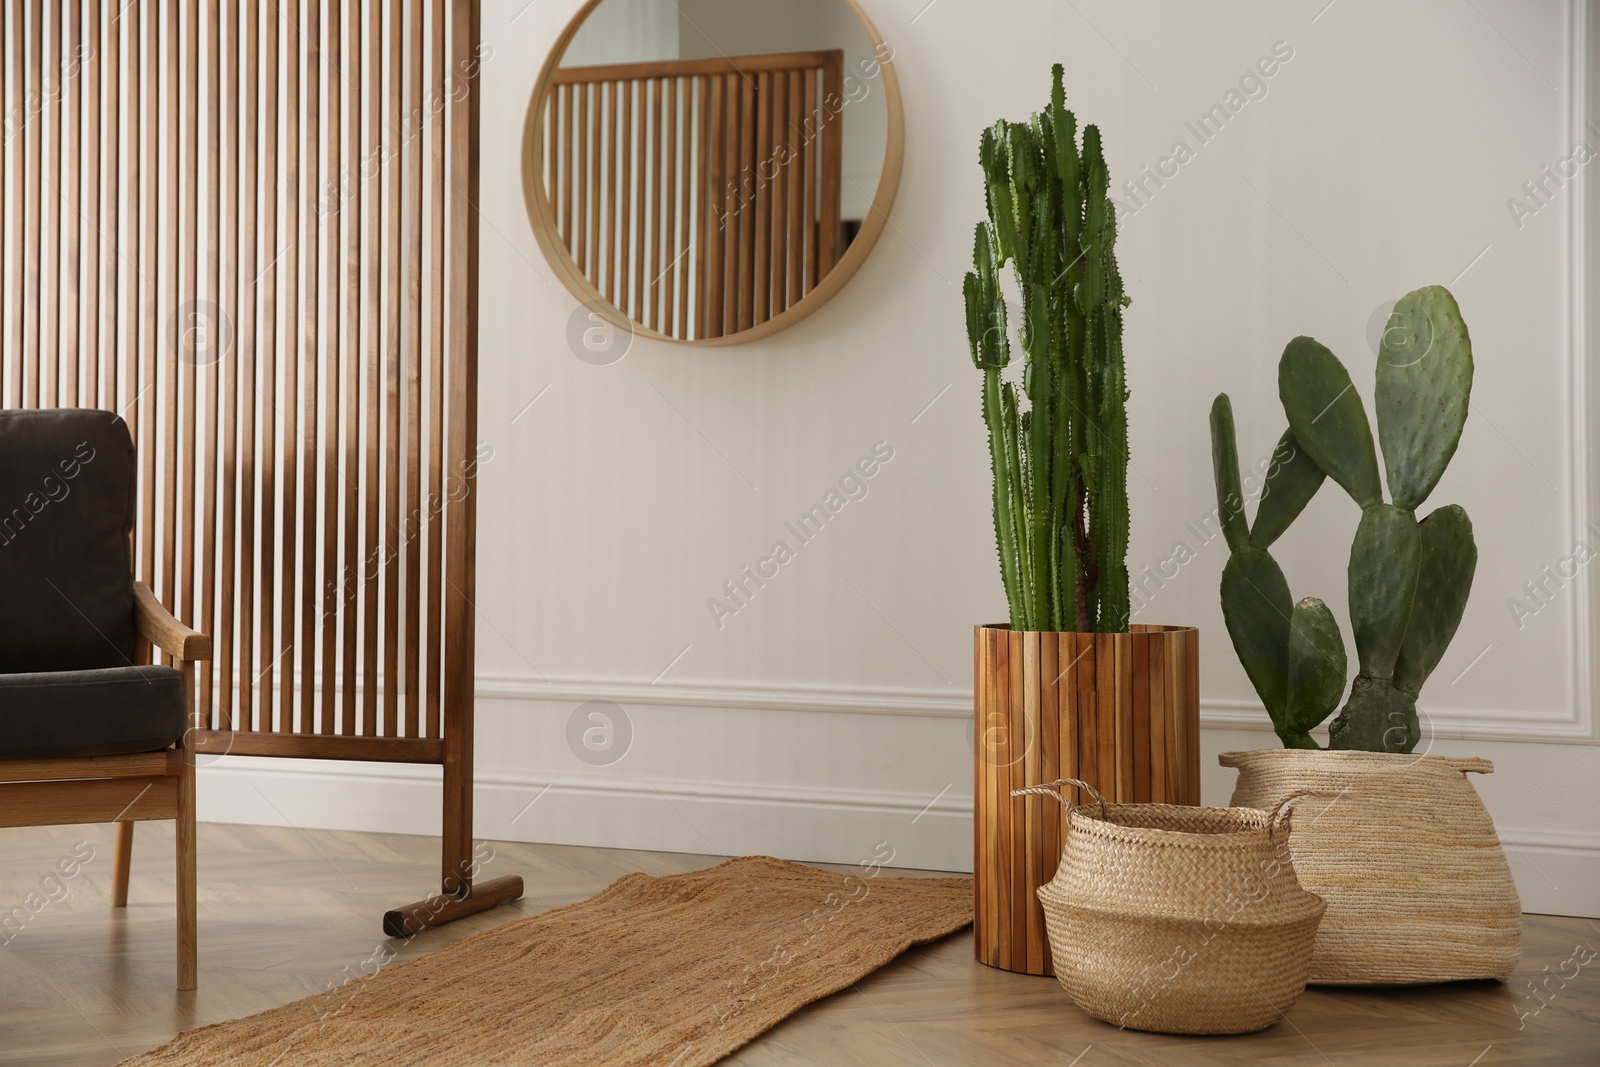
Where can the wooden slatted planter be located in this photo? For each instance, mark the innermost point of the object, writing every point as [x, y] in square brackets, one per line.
[1120, 711]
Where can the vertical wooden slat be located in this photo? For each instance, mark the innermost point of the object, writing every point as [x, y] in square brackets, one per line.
[613, 212]
[332, 217]
[249, 391]
[32, 157]
[796, 181]
[630, 257]
[394, 252]
[1016, 806]
[779, 283]
[1087, 708]
[352, 572]
[829, 236]
[744, 179]
[436, 359]
[807, 162]
[641, 186]
[149, 309]
[68, 75]
[410, 532]
[288, 569]
[728, 225]
[1161, 784]
[1049, 770]
[686, 210]
[1140, 709]
[233, 267]
[267, 388]
[309, 444]
[565, 105]
[761, 281]
[582, 179]
[715, 207]
[91, 48]
[14, 66]
[371, 301]
[184, 337]
[698, 181]
[461, 528]
[110, 235]
[69, 79]
[1032, 808]
[215, 357]
[671, 255]
[10, 349]
[170, 366]
[50, 310]
[657, 128]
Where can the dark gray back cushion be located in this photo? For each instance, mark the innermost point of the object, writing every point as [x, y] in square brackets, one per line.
[66, 508]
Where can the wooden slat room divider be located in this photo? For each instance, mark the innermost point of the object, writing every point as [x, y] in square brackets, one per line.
[246, 226]
[700, 197]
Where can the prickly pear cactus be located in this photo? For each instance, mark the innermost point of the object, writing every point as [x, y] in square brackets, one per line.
[1408, 579]
[1061, 467]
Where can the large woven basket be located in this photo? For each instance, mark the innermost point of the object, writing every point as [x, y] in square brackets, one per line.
[1178, 919]
[1406, 856]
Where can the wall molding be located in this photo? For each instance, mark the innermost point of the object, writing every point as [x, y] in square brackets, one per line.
[953, 703]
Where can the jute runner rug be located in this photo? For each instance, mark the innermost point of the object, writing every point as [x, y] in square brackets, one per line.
[671, 972]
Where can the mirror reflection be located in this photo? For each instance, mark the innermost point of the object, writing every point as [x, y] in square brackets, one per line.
[706, 163]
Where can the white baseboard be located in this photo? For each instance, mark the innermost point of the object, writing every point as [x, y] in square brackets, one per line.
[834, 826]
[1556, 873]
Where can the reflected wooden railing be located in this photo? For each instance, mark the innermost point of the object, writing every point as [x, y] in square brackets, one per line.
[699, 197]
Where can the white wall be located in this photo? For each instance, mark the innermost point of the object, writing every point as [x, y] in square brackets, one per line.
[830, 712]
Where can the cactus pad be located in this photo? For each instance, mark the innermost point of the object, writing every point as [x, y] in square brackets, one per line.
[1326, 415]
[1424, 385]
[1384, 562]
[1317, 668]
[1257, 608]
[1449, 558]
[1293, 478]
[1225, 471]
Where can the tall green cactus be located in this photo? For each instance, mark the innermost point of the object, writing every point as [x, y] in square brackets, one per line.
[1061, 467]
[1408, 580]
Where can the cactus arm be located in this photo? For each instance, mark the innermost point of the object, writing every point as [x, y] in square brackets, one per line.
[1317, 666]
[1449, 558]
[1257, 609]
[1385, 559]
[1424, 383]
[1293, 478]
[1005, 530]
[1225, 473]
[1327, 417]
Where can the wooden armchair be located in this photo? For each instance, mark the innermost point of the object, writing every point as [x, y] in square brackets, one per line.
[90, 729]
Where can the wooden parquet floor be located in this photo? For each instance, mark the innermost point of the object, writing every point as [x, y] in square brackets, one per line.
[285, 913]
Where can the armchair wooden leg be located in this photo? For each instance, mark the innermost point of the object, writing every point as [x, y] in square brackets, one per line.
[121, 861]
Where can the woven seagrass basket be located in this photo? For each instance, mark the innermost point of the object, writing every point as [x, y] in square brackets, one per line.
[1178, 919]
[1406, 856]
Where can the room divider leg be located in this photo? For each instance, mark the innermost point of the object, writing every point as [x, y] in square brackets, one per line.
[460, 895]
[188, 914]
[121, 861]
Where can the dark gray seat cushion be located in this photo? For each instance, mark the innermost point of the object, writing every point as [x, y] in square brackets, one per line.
[67, 479]
[108, 712]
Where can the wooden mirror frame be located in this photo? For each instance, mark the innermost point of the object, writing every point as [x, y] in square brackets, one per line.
[542, 217]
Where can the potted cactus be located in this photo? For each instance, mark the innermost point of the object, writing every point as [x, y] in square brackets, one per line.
[1066, 688]
[1417, 887]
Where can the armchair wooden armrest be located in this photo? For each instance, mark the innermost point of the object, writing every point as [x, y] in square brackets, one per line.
[156, 625]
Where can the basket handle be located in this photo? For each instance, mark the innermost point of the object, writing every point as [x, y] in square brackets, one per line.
[1278, 818]
[1052, 789]
[1470, 764]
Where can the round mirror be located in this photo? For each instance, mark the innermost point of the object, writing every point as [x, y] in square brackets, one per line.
[711, 171]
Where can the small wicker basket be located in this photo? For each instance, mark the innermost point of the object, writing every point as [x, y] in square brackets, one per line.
[1176, 919]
